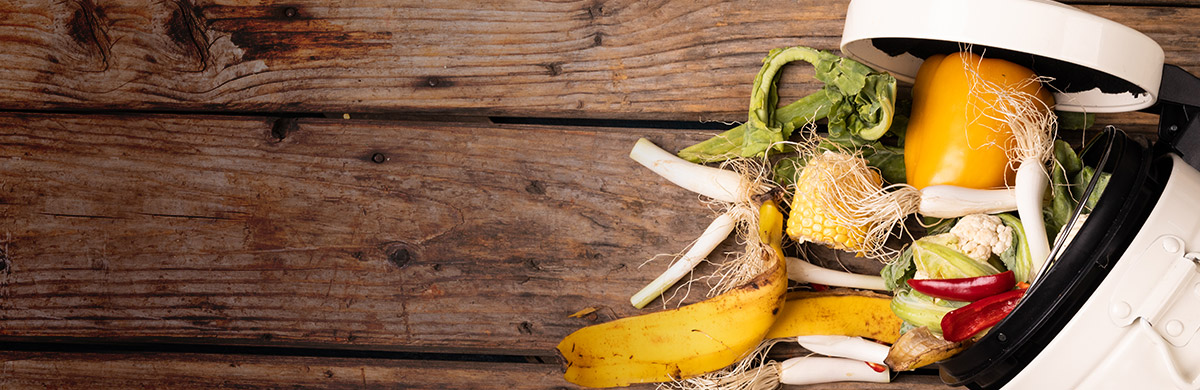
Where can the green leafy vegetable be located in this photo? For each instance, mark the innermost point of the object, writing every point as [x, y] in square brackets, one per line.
[897, 272]
[728, 144]
[938, 258]
[1016, 258]
[889, 160]
[855, 99]
[1058, 211]
[1080, 185]
[938, 225]
[1074, 120]
[920, 309]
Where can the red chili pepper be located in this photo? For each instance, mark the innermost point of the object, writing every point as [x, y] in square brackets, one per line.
[877, 367]
[965, 289]
[962, 323]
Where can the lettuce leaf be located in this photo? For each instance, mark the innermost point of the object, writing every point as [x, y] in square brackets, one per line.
[855, 99]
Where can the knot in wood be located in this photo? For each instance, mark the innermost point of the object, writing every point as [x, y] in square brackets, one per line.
[399, 254]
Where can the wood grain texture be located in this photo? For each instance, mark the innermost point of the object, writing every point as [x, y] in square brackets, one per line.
[96, 371]
[33, 370]
[343, 234]
[682, 60]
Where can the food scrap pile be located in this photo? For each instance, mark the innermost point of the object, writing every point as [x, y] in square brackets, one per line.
[967, 174]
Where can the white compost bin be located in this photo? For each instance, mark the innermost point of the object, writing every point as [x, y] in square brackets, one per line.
[1119, 307]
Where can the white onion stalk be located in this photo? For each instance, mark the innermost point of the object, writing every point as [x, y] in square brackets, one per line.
[805, 272]
[1031, 183]
[947, 201]
[717, 231]
[856, 348]
[732, 190]
[755, 372]
[810, 370]
[1033, 126]
[716, 183]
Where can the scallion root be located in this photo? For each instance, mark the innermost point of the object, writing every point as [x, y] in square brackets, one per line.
[1034, 127]
[754, 372]
[731, 190]
[747, 264]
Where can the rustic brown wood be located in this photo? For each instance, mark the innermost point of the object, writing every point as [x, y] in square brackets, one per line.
[343, 234]
[96, 371]
[679, 60]
[33, 370]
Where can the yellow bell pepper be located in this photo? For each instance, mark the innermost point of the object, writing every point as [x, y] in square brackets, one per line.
[954, 136]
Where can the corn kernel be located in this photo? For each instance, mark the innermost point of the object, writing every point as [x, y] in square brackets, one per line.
[810, 222]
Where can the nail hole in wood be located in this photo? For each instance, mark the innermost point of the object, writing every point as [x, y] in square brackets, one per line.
[282, 128]
[399, 257]
[378, 158]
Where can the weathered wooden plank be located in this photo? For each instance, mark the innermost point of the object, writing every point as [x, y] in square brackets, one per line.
[34, 370]
[99, 371]
[684, 60]
[344, 234]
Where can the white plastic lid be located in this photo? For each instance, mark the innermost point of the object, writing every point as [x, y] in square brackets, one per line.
[1098, 65]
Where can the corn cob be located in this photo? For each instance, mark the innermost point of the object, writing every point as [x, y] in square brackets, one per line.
[828, 191]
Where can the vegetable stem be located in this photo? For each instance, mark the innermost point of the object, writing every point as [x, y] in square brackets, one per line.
[813, 370]
[1031, 185]
[805, 272]
[716, 183]
[763, 131]
[948, 201]
[716, 232]
[848, 347]
[729, 143]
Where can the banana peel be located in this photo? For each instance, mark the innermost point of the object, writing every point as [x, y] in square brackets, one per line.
[843, 312]
[676, 344]
[687, 341]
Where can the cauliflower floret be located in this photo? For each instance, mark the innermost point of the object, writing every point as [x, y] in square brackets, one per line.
[981, 235]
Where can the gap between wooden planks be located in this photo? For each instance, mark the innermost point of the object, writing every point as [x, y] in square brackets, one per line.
[678, 60]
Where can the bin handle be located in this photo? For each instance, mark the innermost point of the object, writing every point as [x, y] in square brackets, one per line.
[1164, 351]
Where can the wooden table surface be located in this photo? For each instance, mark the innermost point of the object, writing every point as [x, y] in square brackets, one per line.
[184, 204]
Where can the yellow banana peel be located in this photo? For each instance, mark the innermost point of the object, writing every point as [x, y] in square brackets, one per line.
[675, 344]
[684, 342]
[842, 312]
[770, 226]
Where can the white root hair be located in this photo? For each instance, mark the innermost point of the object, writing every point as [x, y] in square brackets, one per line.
[748, 263]
[738, 267]
[754, 372]
[852, 193]
[1031, 120]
